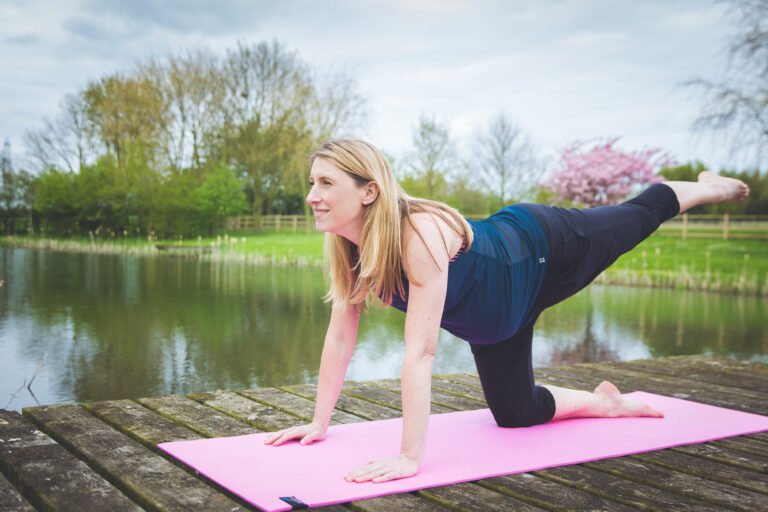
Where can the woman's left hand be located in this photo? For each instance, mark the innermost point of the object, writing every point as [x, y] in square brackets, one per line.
[384, 469]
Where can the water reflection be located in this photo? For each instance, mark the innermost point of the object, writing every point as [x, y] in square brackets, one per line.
[119, 326]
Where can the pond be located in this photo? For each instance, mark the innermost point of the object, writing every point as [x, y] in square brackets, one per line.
[86, 327]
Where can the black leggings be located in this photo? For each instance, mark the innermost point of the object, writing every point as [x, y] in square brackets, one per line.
[582, 243]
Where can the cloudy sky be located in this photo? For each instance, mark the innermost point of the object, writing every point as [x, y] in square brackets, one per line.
[562, 69]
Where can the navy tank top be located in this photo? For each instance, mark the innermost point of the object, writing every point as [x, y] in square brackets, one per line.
[494, 285]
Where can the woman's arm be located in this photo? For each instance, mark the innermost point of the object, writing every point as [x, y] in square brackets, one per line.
[340, 340]
[428, 284]
[339, 343]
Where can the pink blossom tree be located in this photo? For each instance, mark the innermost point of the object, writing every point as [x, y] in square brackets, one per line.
[603, 174]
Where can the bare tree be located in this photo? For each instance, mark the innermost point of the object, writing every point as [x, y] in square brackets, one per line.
[737, 105]
[433, 157]
[336, 105]
[506, 163]
[63, 142]
[193, 85]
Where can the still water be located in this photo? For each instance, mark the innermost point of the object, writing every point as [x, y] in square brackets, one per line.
[94, 327]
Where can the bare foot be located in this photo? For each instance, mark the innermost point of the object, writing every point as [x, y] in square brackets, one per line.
[617, 405]
[728, 189]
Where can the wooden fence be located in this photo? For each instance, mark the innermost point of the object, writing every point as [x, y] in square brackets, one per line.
[724, 226]
[686, 226]
[278, 223]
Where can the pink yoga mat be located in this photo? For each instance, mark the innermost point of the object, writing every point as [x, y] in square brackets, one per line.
[462, 446]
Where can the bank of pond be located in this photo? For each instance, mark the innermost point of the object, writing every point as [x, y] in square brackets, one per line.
[85, 326]
[730, 266]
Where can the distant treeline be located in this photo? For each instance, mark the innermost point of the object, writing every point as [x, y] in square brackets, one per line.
[175, 146]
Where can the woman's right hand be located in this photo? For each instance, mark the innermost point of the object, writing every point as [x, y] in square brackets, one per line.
[306, 434]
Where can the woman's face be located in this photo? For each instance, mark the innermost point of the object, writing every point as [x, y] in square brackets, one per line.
[337, 200]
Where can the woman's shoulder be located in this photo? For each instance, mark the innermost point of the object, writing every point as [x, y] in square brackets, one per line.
[428, 233]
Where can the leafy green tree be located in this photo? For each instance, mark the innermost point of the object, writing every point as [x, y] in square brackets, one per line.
[143, 142]
[54, 201]
[219, 196]
[465, 198]
[125, 111]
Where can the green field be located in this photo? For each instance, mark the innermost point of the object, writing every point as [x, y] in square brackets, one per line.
[703, 264]
[739, 266]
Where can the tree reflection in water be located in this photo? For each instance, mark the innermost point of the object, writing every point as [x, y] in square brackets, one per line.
[123, 327]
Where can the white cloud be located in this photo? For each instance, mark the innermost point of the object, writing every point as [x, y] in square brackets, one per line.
[563, 69]
[586, 39]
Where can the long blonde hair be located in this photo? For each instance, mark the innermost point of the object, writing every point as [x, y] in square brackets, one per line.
[376, 265]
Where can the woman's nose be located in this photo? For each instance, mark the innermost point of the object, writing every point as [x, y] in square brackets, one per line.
[311, 196]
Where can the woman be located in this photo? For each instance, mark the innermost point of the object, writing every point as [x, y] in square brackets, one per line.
[484, 281]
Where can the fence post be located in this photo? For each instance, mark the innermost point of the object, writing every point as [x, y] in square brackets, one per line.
[277, 223]
[685, 226]
[295, 223]
[726, 225]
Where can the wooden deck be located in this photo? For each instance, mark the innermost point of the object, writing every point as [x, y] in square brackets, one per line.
[102, 455]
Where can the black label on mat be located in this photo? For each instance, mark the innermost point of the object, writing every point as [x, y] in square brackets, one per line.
[295, 503]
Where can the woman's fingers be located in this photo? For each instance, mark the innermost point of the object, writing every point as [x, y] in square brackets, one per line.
[370, 471]
[383, 470]
[307, 433]
[281, 436]
[309, 438]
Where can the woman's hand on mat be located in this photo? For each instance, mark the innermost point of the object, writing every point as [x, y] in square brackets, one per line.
[385, 469]
[306, 434]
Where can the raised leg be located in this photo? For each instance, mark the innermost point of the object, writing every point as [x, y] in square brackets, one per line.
[711, 188]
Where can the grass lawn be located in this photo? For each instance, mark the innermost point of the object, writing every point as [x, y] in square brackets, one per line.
[710, 264]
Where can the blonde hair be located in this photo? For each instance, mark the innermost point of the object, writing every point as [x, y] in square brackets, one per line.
[376, 265]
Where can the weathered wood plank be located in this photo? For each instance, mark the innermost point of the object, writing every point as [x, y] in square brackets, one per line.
[392, 502]
[193, 415]
[470, 496]
[382, 396]
[48, 475]
[258, 415]
[548, 494]
[149, 479]
[683, 379]
[302, 407]
[11, 498]
[440, 398]
[469, 379]
[350, 404]
[713, 452]
[446, 385]
[638, 470]
[705, 468]
[632, 494]
[139, 422]
[743, 444]
[750, 376]
[628, 380]
[719, 362]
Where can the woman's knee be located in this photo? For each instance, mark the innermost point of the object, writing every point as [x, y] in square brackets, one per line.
[515, 421]
[531, 410]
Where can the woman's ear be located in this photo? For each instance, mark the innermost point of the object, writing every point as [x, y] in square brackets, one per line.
[370, 193]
